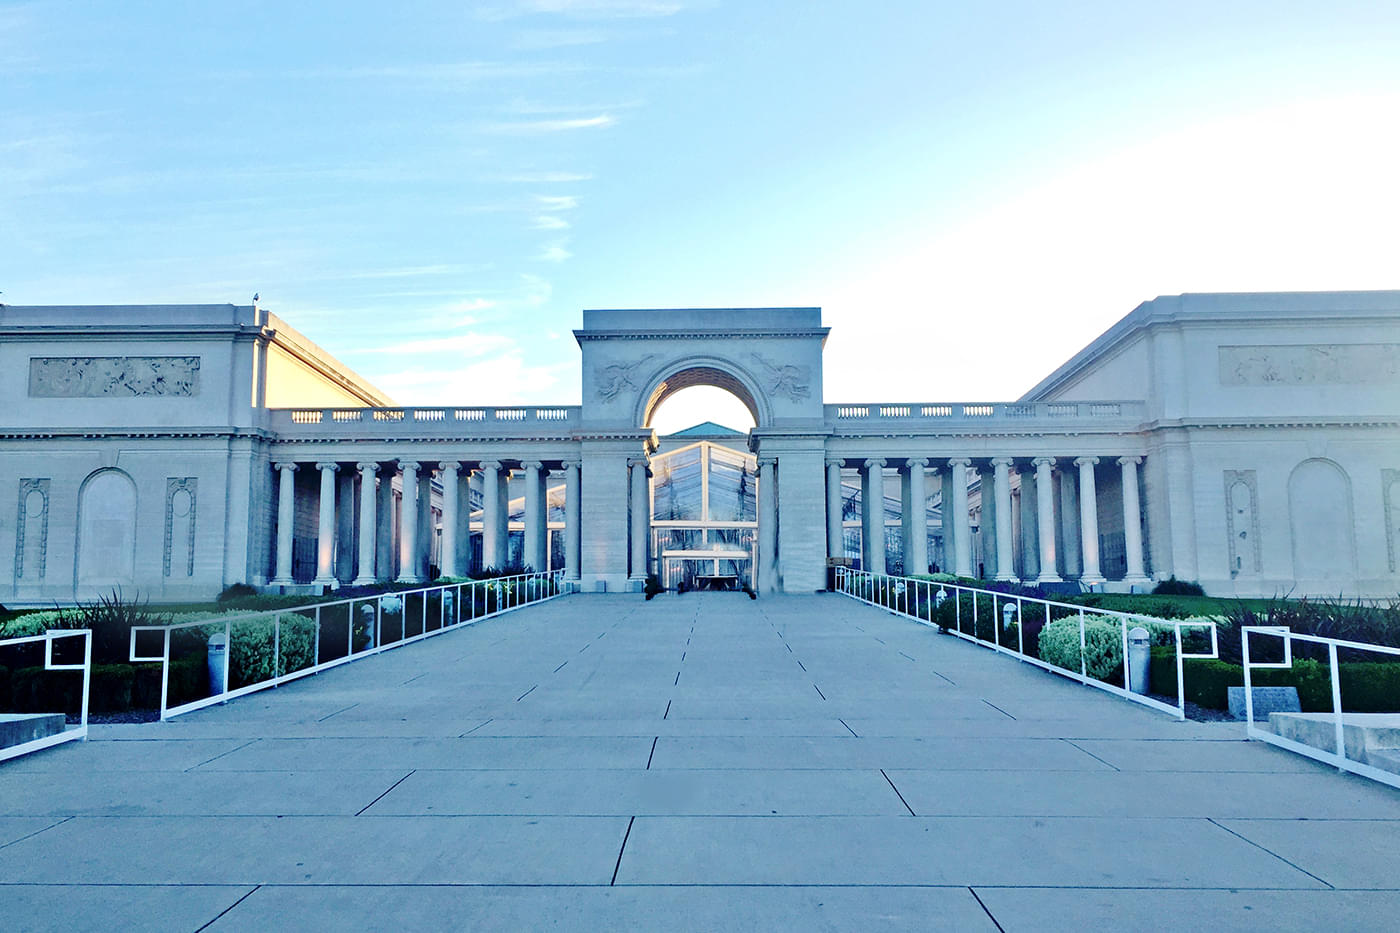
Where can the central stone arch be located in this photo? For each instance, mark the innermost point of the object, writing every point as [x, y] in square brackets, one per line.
[689, 372]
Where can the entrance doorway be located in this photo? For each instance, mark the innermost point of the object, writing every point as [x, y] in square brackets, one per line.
[704, 523]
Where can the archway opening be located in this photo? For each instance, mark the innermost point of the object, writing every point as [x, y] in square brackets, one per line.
[698, 394]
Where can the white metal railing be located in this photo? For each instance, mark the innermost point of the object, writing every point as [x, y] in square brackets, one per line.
[79, 731]
[456, 606]
[1339, 757]
[897, 594]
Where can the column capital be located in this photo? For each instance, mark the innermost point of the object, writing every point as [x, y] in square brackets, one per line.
[1007, 462]
[450, 466]
[837, 462]
[875, 463]
[328, 465]
[767, 462]
[1039, 462]
[572, 464]
[486, 465]
[1130, 460]
[637, 461]
[956, 462]
[1085, 461]
[367, 466]
[532, 465]
[285, 465]
[917, 463]
[409, 466]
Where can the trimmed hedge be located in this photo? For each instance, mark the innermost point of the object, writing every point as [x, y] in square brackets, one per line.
[114, 688]
[1367, 686]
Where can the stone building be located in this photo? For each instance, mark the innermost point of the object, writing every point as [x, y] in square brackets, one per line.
[1248, 441]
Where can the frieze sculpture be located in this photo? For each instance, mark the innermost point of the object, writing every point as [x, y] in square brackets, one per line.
[99, 376]
[611, 380]
[785, 379]
[1311, 364]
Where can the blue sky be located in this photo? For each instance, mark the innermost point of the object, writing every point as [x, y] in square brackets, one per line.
[433, 191]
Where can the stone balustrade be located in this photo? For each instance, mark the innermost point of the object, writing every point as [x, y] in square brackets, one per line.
[942, 414]
[357, 422]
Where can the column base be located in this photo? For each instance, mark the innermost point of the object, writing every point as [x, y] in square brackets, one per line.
[363, 581]
[1049, 578]
[332, 582]
[1091, 581]
[1141, 579]
[1005, 578]
[281, 581]
[413, 579]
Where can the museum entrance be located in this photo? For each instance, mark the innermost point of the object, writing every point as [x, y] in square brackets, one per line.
[704, 512]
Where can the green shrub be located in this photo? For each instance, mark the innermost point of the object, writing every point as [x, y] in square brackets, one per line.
[1102, 656]
[251, 654]
[236, 591]
[1174, 587]
[31, 623]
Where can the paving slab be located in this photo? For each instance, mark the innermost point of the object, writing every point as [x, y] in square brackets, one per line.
[1344, 853]
[1175, 853]
[451, 909]
[66, 908]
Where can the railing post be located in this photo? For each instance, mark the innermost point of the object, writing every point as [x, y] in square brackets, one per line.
[316, 644]
[1020, 630]
[228, 653]
[1180, 675]
[87, 678]
[1337, 701]
[276, 647]
[165, 676]
[1083, 659]
[1248, 685]
[1127, 675]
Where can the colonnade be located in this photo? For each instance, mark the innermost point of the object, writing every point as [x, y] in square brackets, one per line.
[376, 532]
[1043, 521]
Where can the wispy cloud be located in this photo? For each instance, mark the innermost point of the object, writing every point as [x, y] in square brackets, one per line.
[556, 202]
[554, 252]
[445, 71]
[407, 272]
[531, 127]
[545, 178]
[469, 344]
[549, 222]
[584, 9]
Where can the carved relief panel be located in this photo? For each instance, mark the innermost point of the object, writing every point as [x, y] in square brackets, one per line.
[180, 503]
[1242, 522]
[99, 376]
[32, 531]
[1311, 364]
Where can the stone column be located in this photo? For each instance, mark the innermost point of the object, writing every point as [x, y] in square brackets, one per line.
[767, 525]
[1030, 540]
[535, 530]
[447, 566]
[1069, 524]
[1045, 519]
[492, 547]
[835, 533]
[1088, 522]
[872, 503]
[1001, 481]
[572, 517]
[1132, 521]
[408, 524]
[641, 519]
[369, 525]
[346, 546]
[384, 527]
[914, 516]
[986, 524]
[425, 522]
[286, 517]
[325, 530]
[962, 528]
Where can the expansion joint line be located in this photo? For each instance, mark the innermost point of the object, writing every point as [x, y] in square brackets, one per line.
[625, 837]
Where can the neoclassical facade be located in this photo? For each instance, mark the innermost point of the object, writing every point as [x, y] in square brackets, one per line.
[1247, 441]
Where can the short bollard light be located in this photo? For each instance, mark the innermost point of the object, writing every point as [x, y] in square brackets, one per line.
[1008, 615]
[1139, 659]
[218, 662]
[367, 619]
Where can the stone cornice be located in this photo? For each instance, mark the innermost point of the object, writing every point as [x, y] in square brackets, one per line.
[698, 334]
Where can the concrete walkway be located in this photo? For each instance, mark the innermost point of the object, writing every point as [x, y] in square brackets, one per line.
[696, 762]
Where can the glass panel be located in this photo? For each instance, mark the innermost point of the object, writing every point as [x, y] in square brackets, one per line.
[679, 539]
[675, 484]
[731, 487]
[731, 539]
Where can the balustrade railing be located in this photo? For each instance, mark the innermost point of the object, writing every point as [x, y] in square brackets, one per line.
[477, 419]
[273, 647]
[1012, 624]
[69, 734]
[943, 412]
[1351, 734]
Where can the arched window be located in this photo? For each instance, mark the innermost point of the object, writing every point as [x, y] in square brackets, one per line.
[107, 529]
